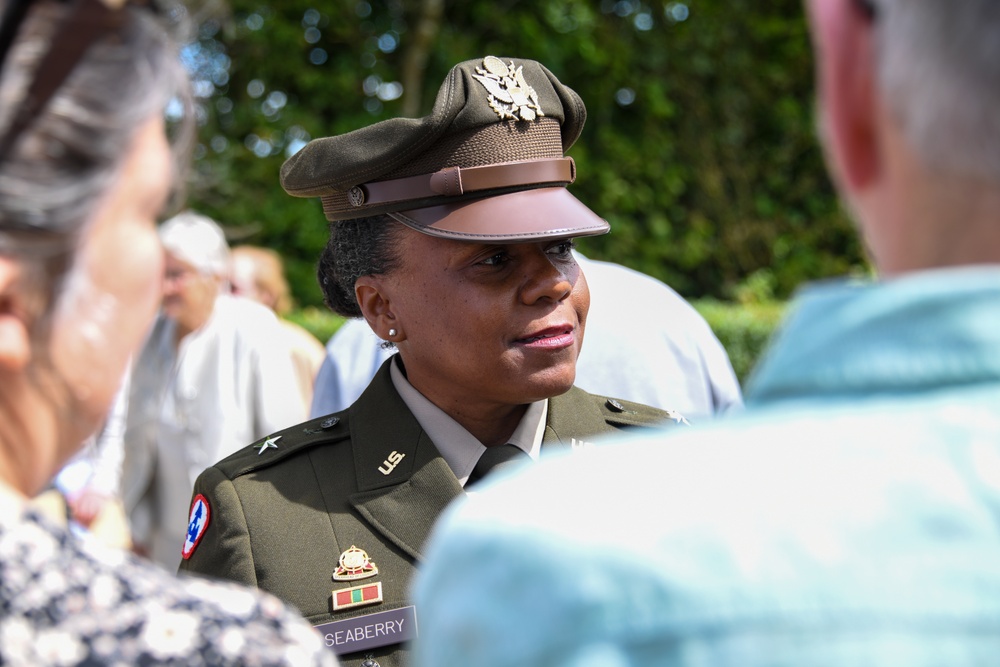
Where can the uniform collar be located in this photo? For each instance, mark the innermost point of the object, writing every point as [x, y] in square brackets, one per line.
[459, 448]
[922, 331]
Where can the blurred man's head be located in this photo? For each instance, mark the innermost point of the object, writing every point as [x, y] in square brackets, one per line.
[908, 99]
[259, 274]
[196, 268]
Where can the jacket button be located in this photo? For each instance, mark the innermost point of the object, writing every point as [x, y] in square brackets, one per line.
[330, 423]
[370, 662]
[615, 405]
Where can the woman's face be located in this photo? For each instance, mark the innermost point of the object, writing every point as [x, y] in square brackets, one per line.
[494, 324]
[111, 294]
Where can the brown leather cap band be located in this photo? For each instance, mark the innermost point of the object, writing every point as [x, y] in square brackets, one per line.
[455, 181]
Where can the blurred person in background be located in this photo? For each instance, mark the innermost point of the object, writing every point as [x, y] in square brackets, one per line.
[214, 374]
[645, 343]
[85, 168]
[259, 274]
[849, 515]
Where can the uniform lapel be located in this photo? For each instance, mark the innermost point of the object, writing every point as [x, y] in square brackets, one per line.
[403, 482]
[573, 420]
[405, 513]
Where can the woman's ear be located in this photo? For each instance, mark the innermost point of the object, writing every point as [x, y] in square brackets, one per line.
[15, 337]
[376, 306]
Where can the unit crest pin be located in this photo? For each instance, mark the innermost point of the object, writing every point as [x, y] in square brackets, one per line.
[354, 564]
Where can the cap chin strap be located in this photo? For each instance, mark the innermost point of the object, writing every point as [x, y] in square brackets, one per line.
[455, 181]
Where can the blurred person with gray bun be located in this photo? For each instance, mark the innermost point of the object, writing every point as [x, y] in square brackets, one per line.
[85, 168]
[259, 274]
[215, 373]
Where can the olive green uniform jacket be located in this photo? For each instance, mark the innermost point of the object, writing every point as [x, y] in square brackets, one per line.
[280, 517]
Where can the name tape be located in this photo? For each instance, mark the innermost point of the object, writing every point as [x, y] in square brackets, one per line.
[370, 631]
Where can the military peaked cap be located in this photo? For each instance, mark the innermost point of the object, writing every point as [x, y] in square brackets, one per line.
[486, 164]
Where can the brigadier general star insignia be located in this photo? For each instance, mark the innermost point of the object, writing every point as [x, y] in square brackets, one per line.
[269, 444]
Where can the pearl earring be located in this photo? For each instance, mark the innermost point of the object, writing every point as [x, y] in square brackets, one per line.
[392, 332]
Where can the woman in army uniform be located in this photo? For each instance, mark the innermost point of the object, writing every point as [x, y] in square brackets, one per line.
[451, 235]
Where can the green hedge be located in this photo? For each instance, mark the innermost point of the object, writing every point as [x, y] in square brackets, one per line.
[743, 329]
[319, 322]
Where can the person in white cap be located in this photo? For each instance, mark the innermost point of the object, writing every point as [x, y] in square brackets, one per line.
[214, 374]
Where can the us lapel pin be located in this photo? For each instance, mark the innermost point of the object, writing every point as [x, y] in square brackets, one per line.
[390, 462]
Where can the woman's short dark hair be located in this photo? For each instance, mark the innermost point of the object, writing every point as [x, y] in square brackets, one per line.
[359, 247]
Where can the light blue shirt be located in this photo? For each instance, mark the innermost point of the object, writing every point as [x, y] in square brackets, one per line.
[850, 516]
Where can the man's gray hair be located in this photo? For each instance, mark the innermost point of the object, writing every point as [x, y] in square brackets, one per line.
[197, 240]
[939, 69]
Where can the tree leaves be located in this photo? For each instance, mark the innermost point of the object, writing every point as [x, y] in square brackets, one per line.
[699, 146]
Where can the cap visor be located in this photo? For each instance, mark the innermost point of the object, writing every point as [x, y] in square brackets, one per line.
[526, 215]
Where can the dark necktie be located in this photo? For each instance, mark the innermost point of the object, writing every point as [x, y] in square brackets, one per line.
[498, 457]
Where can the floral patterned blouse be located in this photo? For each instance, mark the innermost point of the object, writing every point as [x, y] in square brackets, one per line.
[64, 601]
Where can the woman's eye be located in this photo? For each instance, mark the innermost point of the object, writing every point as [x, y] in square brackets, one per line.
[563, 248]
[496, 260]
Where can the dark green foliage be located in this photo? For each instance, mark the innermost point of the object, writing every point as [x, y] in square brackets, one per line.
[699, 147]
[743, 329]
[321, 323]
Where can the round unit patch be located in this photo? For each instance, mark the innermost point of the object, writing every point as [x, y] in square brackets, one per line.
[197, 524]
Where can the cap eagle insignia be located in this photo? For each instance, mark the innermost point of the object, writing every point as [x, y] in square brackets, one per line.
[509, 94]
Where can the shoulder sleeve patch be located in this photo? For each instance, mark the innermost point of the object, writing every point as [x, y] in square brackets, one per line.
[198, 519]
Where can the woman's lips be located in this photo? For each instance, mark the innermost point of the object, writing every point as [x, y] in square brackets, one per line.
[551, 338]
